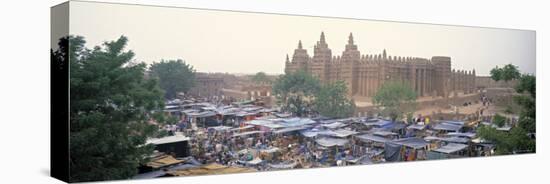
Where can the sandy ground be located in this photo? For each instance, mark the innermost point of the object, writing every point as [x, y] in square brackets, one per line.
[470, 109]
[426, 110]
[366, 101]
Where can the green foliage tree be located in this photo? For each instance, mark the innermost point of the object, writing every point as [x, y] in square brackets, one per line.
[396, 98]
[295, 92]
[527, 83]
[260, 77]
[175, 76]
[496, 73]
[507, 73]
[110, 105]
[517, 140]
[331, 101]
[499, 120]
[528, 114]
[514, 141]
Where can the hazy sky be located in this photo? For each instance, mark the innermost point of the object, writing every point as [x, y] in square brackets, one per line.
[236, 42]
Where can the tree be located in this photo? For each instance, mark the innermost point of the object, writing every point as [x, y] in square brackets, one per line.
[331, 101]
[517, 140]
[527, 83]
[496, 73]
[175, 76]
[260, 77]
[507, 73]
[514, 141]
[499, 120]
[110, 104]
[396, 98]
[295, 91]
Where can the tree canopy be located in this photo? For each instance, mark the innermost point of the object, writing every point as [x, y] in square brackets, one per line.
[528, 115]
[499, 120]
[110, 104]
[331, 101]
[527, 83]
[517, 139]
[295, 91]
[396, 98]
[260, 77]
[507, 73]
[174, 76]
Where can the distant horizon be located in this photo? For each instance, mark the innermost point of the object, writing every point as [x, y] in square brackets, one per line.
[215, 41]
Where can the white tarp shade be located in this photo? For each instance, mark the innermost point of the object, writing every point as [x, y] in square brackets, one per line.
[447, 126]
[372, 138]
[413, 142]
[247, 133]
[460, 134]
[169, 139]
[334, 125]
[448, 139]
[451, 148]
[329, 142]
[384, 133]
[343, 133]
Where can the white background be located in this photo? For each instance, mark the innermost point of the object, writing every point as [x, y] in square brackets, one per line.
[24, 94]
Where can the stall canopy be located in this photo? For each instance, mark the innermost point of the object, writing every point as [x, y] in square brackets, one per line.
[448, 126]
[378, 123]
[412, 142]
[265, 123]
[291, 129]
[168, 139]
[247, 133]
[451, 148]
[252, 109]
[281, 123]
[360, 160]
[187, 111]
[310, 133]
[245, 113]
[448, 139]
[292, 122]
[202, 114]
[372, 138]
[395, 126]
[329, 142]
[343, 132]
[383, 133]
[228, 111]
[334, 125]
[459, 134]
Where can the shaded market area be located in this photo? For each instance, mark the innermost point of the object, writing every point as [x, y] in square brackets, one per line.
[215, 138]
